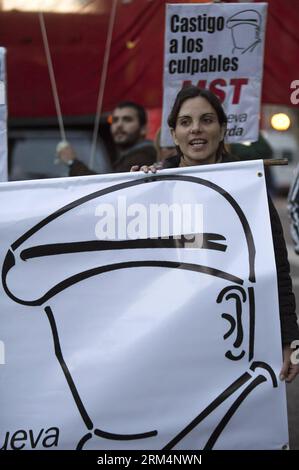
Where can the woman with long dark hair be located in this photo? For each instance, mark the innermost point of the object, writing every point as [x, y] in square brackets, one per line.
[198, 123]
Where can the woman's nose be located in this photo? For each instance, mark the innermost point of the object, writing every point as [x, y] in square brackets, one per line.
[196, 127]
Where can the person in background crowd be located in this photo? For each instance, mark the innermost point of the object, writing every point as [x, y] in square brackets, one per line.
[253, 151]
[293, 209]
[198, 123]
[128, 129]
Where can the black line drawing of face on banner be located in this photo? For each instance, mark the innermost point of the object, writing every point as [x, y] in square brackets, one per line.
[245, 27]
[232, 300]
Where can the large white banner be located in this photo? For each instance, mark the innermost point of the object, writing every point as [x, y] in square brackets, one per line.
[3, 118]
[115, 337]
[219, 47]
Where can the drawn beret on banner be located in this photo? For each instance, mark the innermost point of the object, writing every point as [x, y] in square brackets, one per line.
[113, 295]
[71, 232]
[245, 28]
[251, 17]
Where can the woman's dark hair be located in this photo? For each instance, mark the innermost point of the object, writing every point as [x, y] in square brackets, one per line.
[192, 91]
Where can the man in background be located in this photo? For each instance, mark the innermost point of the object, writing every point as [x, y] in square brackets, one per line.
[128, 130]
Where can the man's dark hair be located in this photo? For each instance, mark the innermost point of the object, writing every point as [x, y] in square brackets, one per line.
[141, 113]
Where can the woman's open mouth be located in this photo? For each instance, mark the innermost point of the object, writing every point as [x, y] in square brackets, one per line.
[198, 144]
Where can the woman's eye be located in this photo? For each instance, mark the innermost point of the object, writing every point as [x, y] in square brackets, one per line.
[208, 120]
[184, 122]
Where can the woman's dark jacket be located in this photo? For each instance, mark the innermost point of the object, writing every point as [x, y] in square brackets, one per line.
[287, 304]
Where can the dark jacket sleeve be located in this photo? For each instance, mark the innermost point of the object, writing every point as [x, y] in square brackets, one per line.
[137, 155]
[78, 168]
[287, 304]
[142, 154]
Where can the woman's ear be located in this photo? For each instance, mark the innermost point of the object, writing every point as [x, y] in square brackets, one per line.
[172, 131]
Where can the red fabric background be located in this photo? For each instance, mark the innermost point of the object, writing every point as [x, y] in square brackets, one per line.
[77, 44]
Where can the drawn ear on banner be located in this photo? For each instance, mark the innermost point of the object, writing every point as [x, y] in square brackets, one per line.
[237, 296]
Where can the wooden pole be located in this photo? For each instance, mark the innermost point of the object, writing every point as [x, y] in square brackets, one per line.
[276, 161]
